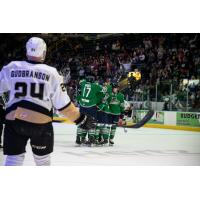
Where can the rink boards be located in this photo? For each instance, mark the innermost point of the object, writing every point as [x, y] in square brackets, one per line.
[150, 125]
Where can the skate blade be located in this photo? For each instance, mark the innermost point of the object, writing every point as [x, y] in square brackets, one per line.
[77, 145]
[98, 145]
[105, 145]
[81, 145]
[90, 145]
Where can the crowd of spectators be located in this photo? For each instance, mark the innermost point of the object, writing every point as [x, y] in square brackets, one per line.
[163, 59]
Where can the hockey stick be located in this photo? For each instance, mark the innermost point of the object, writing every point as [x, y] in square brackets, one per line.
[142, 122]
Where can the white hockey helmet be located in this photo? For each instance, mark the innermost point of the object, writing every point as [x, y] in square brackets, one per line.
[36, 47]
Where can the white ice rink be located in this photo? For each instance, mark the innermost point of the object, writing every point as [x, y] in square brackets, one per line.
[144, 146]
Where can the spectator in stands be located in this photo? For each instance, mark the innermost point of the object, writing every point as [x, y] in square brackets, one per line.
[161, 57]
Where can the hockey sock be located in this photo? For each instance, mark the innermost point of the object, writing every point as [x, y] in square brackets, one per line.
[91, 135]
[98, 131]
[81, 133]
[106, 131]
[16, 160]
[113, 131]
[42, 160]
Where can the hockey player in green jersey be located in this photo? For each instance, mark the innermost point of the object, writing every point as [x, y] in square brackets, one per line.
[89, 97]
[111, 108]
[116, 108]
[103, 114]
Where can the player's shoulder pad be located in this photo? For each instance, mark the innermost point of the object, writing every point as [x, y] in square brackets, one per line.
[121, 94]
[11, 64]
[52, 70]
[82, 80]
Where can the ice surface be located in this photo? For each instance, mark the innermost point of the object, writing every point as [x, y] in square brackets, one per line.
[144, 146]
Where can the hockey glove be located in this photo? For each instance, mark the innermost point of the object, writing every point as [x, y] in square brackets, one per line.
[86, 122]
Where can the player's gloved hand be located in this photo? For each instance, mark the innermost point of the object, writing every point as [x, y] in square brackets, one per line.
[122, 116]
[86, 122]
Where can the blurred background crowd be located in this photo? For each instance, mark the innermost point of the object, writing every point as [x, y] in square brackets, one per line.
[169, 63]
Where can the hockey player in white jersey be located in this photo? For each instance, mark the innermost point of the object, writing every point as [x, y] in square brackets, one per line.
[34, 90]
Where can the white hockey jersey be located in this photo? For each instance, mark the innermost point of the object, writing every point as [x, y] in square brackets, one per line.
[34, 86]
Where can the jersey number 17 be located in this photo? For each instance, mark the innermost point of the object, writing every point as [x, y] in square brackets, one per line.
[86, 91]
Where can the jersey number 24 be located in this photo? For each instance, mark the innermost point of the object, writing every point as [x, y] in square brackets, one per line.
[22, 86]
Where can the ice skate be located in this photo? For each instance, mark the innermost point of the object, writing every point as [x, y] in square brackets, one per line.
[78, 141]
[111, 142]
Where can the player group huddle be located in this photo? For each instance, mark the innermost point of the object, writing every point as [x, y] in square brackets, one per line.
[106, 104]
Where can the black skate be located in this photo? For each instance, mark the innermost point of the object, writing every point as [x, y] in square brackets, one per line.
[111, 143]
[84, 142]
[96, 142]
[91, 141]
[104, 142]
[100, 142]
[78, 141]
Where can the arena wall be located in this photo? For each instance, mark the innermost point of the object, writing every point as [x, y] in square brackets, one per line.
[189, 121]
[172, 120]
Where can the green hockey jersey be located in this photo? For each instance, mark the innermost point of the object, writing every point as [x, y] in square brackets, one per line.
[90, 94]
[103, 104]
[116, 104]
